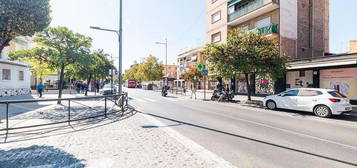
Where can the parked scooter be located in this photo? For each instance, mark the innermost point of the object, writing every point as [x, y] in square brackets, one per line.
[222, 95]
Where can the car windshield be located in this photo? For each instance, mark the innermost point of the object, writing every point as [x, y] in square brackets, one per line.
[337, 94]
[106, 86]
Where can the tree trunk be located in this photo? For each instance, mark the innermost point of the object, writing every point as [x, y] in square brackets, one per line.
[60, 85]
[89, 79]
[4, 43]
[248, 86]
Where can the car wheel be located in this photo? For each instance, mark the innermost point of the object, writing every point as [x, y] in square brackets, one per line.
[322, 111]
[271, 105]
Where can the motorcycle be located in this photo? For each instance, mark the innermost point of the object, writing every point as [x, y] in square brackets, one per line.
[164, 91]
[222, 95]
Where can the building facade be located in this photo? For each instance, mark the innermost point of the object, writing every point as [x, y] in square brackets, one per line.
[185, 62]
[300, 26]
[15, 76]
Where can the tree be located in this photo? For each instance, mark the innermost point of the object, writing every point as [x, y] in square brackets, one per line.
[96, 66]
[191, 74]
[22, 18]
[36, 58]
[59, 47]
[131, 73]
[247, 53]
[150, 69]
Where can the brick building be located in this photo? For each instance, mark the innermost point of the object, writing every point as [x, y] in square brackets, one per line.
[300, 26]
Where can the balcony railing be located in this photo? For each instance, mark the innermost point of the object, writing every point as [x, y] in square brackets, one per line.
[252, 6]
[273, 28]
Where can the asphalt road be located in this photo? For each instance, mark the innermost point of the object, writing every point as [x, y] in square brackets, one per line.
[256, 137]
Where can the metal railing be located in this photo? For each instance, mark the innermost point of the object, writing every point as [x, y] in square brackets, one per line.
[120, 101]
[252, 6]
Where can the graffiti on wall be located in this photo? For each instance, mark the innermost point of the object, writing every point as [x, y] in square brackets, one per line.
[14, 92]
[264, 85]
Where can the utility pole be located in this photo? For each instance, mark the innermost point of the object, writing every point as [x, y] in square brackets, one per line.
[120, 46]
[165, 43]
[120, 40]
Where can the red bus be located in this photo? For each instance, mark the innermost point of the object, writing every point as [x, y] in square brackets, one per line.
[132, 83]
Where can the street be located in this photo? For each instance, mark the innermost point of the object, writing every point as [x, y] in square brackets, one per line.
[255, 137]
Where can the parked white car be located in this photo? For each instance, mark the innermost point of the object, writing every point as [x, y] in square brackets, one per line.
[107, 89]
[322, 102]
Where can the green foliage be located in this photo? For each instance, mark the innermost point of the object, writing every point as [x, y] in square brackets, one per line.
[97, 65]
[255, 53]
[246, 53]
[36, 58]
[131, 73]
[60, 48]
[191, 73]
[150, 69]
[22, 18]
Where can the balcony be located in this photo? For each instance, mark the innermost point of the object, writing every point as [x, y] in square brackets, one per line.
[251, 10]
[273, 28]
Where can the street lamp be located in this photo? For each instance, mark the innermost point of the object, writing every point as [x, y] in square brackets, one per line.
[120, 54]
[120, 39]
[165, 43]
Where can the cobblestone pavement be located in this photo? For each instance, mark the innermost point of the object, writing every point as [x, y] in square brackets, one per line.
[134, 141]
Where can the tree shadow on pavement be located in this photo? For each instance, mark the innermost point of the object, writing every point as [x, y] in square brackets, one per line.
[62, 129]
[38, 156]
[250, 139]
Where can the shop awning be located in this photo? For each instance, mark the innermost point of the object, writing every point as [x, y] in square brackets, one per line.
[328, 61]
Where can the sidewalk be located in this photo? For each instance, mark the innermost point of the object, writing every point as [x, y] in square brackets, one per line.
[239, 98]
[137, 140]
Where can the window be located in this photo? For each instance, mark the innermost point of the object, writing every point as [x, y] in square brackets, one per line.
[6, 74]
[21, 75]
[336, 94]
[291, 93]
[302, 73]
[309, 93]
[216, 17]
[231, 9]
[215, 38]
[263, 23]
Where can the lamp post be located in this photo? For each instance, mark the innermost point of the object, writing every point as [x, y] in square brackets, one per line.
[165, 43]
[120, 55]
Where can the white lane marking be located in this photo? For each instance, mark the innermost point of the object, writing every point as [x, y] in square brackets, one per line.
[151, 100]
[290, 131]
[139, 100]
[172, 99]
[197, 149]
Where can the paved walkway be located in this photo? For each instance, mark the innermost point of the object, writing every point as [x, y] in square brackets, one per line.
[134, 141]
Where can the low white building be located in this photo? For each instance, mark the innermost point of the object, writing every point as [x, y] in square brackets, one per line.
[15, 76]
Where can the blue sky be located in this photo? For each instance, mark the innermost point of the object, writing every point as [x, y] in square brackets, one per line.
[181, 21]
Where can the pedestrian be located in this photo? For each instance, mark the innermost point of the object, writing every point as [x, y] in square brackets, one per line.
[193, 91]
[184, 90]
[97, 86]
[40, 88]
[78, 87]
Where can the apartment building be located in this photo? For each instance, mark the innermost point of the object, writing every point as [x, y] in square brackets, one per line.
[300, 26]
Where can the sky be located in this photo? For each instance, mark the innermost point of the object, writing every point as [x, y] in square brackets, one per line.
[182, 22]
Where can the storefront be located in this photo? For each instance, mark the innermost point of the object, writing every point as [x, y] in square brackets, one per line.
[338, 72]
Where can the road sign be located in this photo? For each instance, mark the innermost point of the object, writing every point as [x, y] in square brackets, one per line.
[200, 66]
[205, 72]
